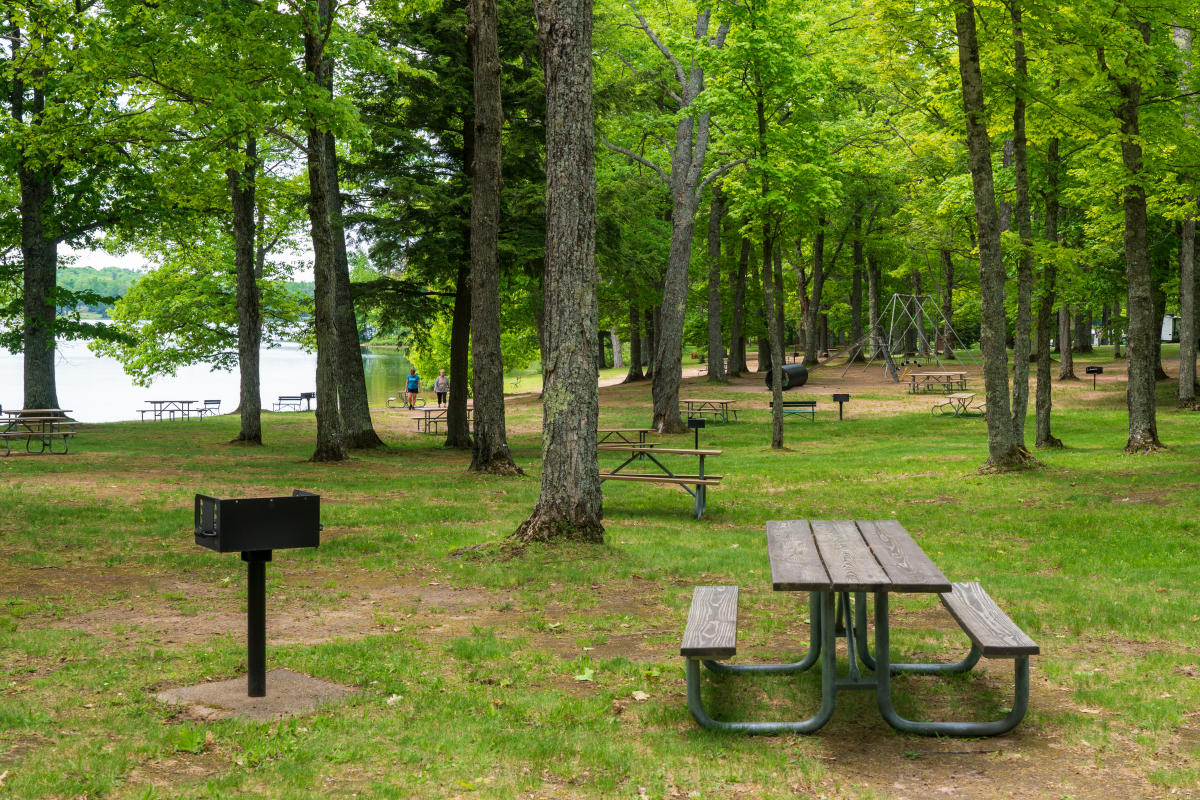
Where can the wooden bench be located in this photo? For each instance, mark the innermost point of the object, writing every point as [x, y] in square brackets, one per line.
[711, 631]
[287, 403]
[989, 628]
[799, 407]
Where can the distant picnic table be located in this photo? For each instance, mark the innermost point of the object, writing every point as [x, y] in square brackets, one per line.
[429, 418]
[838, 563]
[623, 435]
[958, 404]
[698, 407]
[694, 484]
[946, 381]
[43, 427]
[171, 409]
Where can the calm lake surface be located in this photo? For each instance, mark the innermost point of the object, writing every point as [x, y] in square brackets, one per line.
[98, 390]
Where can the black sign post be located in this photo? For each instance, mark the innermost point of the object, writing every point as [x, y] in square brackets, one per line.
[1093, 371]
[840, 399]
[256, 526]
[696, 423]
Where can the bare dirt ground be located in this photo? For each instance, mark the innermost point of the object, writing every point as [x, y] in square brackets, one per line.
[859, 751]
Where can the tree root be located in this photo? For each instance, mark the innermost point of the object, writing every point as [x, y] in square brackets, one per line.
[549, 525]
[1050, 442]
[1015, 460]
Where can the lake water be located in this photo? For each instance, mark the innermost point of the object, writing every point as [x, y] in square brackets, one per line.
[98, 390]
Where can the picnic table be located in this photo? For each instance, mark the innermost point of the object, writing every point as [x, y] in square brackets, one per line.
[428, 419]
[624, 435]
[936, 381]
[838, 563]
[694, 484]
[181, 409]
[958, 403]
[697, 407]
[40, 426]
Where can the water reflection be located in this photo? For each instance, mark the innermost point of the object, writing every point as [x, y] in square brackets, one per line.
[98, 390]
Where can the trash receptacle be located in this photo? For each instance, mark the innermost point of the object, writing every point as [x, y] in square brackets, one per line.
[793, 375]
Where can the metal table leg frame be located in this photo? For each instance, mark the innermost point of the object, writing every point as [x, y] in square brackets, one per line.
[813, 723]
[884, 692]
[864, 650]
[814, 649]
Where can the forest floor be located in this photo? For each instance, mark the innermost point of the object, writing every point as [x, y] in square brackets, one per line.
[556, 674]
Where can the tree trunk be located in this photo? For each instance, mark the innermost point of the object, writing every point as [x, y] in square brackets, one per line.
[601, 350]
[922, 334]
[774, 331]
[1066, 357]
[39, 254]
[331, 445]
[947, 304]
[856, 291]
[873, 280]
[618, 357]
[1187, 314]
[812, 344]
[570, 504]
[1158, 296]
[1118, 333]
[1083, 331]
[1003, 450]
[1045, 316]
[649, 347]
[458, 432]
[249, 312]
[490, 453]
[1024, 228]
[716, 348]
[737, 339]
[635, 345]
[1143, 425]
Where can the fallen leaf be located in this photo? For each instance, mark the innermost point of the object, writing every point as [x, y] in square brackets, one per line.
[640, 696]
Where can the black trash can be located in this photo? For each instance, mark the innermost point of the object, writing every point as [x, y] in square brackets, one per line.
[794, 375]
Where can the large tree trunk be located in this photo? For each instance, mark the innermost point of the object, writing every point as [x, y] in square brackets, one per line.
[39, 254]
[737, 339]
[1187, 314]
[249, 312]
[1045, 315]
[1083, 330]
[716, 348]
[635, 345]
[570, 504]
[357, 429]
[1024, 227]
[1066, 357]
[1004, 450]
[491, 442]
[947, 304]
[812, 343]
[774, 330]
[1143, 333]
[458, 432]
[330, 443]
[649, 346]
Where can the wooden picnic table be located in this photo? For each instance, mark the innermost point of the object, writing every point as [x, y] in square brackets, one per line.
[694, 484]
[838, 563]
[624, 435]
[41, 426]
[429, 418]
[958, 403]
[946, 381]
[171, 408]
[699, 407]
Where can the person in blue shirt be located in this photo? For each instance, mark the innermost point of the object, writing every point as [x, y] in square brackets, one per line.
[413, 386]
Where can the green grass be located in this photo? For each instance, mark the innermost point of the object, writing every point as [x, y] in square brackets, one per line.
[512, 678]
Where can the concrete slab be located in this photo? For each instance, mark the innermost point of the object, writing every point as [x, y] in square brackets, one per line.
[288, 694]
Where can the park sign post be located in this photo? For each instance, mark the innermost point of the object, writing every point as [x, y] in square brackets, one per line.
[1094, 371]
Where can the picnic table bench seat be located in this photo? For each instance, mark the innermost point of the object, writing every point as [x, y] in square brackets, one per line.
[61, 431]
[798, 407]
[655, 477]
[988, 627]
[711, 631]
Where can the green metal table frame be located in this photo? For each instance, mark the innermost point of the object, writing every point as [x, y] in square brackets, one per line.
[834, 614]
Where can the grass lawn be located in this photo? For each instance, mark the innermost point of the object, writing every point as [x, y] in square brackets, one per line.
[557, 674]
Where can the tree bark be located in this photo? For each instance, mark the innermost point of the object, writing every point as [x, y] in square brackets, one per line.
[635, 345]
[1003, 450]
[1083, 330]
[856, 290]
[649, 346]
[490, 453]
[774, 331]
[601, 349]
[618, 358]
[331, 445]
[242, 203]
[716, 348]
[1045, 316]
[1117, 334]
[1024, 228]
[458, 432]
[39, 254]
[737, 339]
[947, 304]
[812, 343]
[1066, 357]
[1143, 424]
[1187, 314]
[570, 504]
